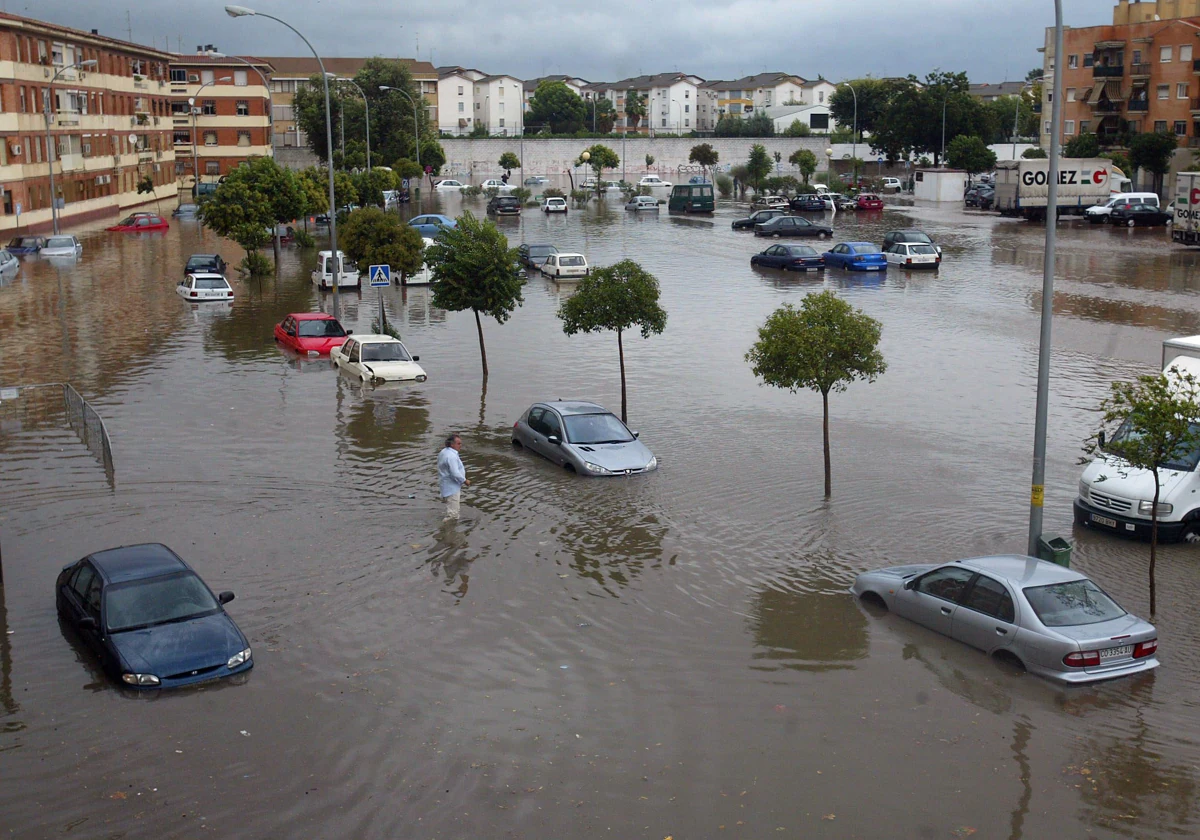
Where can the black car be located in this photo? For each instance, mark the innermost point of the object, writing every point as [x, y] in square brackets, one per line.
[790, 258]
[1140, 215]
[205, 264]
[791, 226]
[504, 205]
[756, 217]
[532, 256]
[983, 198]
[913, 237]
[808, 203]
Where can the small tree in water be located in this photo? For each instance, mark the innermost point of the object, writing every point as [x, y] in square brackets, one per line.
[375, 237]
[617, 297]
[473, 268]
[1158, 415]
[823, 346]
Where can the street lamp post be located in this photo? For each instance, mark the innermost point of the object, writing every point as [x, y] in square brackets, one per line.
[854, 133]
[416, 128]
[945, 99]
[1017, 115]
[366, 114]
[195, 153]
[679, 119]
[242, 11]
[50, 143]
[1038, 484]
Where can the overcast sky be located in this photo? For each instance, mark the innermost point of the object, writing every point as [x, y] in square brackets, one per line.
[992, 40]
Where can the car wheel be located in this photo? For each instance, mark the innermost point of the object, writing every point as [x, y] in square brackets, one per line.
[1009, 659]
[1129, 223]
[821, 235]
[874, 599]
[516, 443]
[776, 235]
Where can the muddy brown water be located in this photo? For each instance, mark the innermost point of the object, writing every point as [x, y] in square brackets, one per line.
[671, 655]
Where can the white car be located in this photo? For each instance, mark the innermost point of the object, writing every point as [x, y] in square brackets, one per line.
[554, 204]
[913, 255]
[204, 287]
[376, 359]
[653, 181]
[495, 184]
[892, 184]
[565, 265]
[642, 202]
[770, 202]
[449, 186]
[322, 275]
[65, 245]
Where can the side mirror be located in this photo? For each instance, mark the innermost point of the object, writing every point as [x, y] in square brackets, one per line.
[635, 434]
[225, 597]
[1100, 439]
[349, 332]
[416, 358]
[910, 584]
[554, 440]
[86, 623]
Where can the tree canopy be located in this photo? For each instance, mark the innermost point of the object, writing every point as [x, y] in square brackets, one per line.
[509, 161]
[1152, 152]
[370, 186]
[758, 164]
[756, 125]
[704, 155]
[970, 154]
[251, 200]
[371, 236]
[823, 346]
[604, 116]
[805, 161]
[618, 297]
[1085, 145]
[601, 157]
[798, 128]
[635, 107]
[556, 106]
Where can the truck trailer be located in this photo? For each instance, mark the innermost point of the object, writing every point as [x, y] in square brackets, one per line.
[1185, 209]
[1022, 186]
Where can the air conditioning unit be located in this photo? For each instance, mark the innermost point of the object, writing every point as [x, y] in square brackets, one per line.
[46, 72]
[192, 77]
[15, 148]
[82, 75]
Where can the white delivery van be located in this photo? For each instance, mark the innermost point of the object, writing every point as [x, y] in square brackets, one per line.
[323, 277]
[1116, 497]
[1101, 212]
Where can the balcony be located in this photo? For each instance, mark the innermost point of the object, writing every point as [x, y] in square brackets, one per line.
[71, 162]
[1108, 71]
[1194, 142]
[1140, 106]
[1106, 106]
[1196, 65]
[1136, 70]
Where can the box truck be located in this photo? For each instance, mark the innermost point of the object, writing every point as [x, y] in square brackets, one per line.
[1185, 209]
[1022, 185]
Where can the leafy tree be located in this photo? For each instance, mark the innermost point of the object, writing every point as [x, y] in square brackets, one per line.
[823, 346]
[798, 128]
[555, 105]
[741, 177]
[407, 169]
[970, 154]
[1152, 152]
[509, 161]
[728, 126]
[704, 155]
[479, 130]
[1120, 161]
[370, 186]
[1157, 413]
[1034, 154]
[1083, 146]
[1034, 74]
[758, 165]
[874, 98]
[617, 297]
[600, 157]
[604, 116]
[473, 268]
[433, 155]
[371, 236]
[724, 185]
[1003, 110]
[635, 107]
[649, 161]
[314, 191]
[249, 202]
[758, 125]
[912, 119]
[805, 161]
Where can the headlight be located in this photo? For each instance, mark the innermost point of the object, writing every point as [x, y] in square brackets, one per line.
[421, 378]
[238, 659]
[596, 469]
[1146, 507]
[1085, 492]
[140, 679]
[653, 464]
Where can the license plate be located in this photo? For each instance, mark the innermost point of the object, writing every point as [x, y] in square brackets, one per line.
[1104, 520]
[1116, 653]
[872, 268]
[810, 268]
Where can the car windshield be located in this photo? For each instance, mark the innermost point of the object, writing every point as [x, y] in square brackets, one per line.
[23, 242]
[128, 220]
[915, 236]
[210, 283]
[145, 603]
[60, 242]
[1071, 604]
[542, 250]
[571, 261]
[323, 328]
[1184, 458]
[385, 351]
[922, 249]
[595, 428]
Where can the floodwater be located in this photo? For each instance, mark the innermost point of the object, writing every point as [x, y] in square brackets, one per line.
[671, 655]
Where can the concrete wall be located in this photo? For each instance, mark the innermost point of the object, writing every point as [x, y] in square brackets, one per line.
[298, 157]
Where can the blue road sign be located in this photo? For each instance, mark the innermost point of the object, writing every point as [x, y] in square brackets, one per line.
[381, 275]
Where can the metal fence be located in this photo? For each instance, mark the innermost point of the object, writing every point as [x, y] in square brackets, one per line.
[82, 418]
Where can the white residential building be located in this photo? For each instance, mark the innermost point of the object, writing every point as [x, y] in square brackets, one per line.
[456, 99]
[500, 104]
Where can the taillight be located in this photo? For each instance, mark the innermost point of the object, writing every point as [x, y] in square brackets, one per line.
[518, 423]
[908, 261]
[195, 294]
[1082, 659]
[858, 259]
[1143, 649]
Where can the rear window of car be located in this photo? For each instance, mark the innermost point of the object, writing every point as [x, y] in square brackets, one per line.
[571, 261]
[922, 249]
[1072, 604]
[210, 283]
[866, 249]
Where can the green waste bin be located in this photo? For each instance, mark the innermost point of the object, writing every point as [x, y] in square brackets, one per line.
[1056, 550]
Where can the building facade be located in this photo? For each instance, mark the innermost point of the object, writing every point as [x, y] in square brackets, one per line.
[110, 127]
[220, 110]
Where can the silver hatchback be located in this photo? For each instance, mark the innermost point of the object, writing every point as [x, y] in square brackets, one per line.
[1050, 620]
[583, 437]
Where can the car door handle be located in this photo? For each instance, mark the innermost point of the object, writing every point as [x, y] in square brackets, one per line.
[946, 611]
[1000, 631]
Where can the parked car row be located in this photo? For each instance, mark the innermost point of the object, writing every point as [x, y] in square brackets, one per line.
[904, 248]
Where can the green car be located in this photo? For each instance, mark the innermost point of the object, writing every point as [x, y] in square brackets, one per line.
[692, 198]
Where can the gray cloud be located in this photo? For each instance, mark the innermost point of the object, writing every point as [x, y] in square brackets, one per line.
[991, 40]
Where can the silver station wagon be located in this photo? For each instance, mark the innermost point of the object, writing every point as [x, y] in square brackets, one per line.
[1050, 620]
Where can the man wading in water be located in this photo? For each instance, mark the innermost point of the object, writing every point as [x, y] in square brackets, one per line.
[452, 477]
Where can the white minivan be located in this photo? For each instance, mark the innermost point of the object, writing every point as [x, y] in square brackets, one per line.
[1116, 497]
[1101, 212]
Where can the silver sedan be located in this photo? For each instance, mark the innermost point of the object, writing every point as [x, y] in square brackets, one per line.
[1048, 619]
[583, 437]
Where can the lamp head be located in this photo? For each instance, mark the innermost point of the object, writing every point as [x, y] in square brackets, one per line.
[829, 153]
[225, 79]
[91, 62]
[384, 87]
[585, 157]
[239, 11]
[215, 54]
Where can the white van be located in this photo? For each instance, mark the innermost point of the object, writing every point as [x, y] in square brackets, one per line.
[323, 277]
[1116, 497]
[1100, 212]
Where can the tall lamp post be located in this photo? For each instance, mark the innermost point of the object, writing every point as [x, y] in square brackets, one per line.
[1038, 484]
[679, 119]
[49, 142]
[854, 132]
[196, 110]
[1017, 116]
[946, 99]
[416, 127]
[242, 11]
[366, 114]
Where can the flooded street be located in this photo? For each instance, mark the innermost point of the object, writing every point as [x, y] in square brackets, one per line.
[675, 654]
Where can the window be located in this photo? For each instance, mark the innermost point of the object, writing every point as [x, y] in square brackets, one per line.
[212, 167]
[210, 138]
[687, 109]
[23, 106]
[206, 76]
[686, 123]
[1164, 54]
[1068, 126]
[1088, 60]
[821, 96]
[476, 106]
[1180, 128]
[501, 91]
[243, 138]
[1085, 126]
[239, 78]
[1185, 52]
[243, 108]
[183, 137]
[1164, 91]
[178, 76]
[460, 90]
[990, 597]
[1070, 94]
[501, 107]
[1046, 127]
[208, 107]
[461, 107]
[946, 583]
[1181, 90]
[180, 109]
[1072, 62]
[664, 122]
[1160, 126]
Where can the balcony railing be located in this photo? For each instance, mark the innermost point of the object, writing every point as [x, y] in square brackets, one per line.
[1139, 69]
[1110, 71]
[1140, 105]
[1196, 65]
[1194, 142]
[1106, 106]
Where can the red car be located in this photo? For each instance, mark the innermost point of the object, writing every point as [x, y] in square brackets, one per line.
[139, 222]
[313, 333]
[868, 201]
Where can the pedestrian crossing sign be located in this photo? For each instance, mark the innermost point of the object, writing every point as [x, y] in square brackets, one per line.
[381, 275]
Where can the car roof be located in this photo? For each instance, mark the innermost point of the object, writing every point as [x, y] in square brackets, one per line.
[203, 257]
[569, 407]
[375, 338]
[311, 316]
[856, 244]
[134, 562]
[1020, 570]
[210, 274]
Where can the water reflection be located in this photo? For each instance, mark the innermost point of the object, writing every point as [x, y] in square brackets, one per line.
[801, 622]
[8, 704]
[374, 421]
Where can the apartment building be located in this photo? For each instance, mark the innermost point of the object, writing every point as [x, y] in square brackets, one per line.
[1125, 77]
[672, 102]
[752, 94]
[220, 110]
[109, 124]
[470, 97]
[292, 73]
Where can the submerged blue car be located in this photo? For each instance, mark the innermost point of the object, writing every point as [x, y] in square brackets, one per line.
[856, 256]
[431, 224]
[150, 619]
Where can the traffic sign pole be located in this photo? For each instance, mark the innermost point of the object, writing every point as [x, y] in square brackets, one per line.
[380, 276]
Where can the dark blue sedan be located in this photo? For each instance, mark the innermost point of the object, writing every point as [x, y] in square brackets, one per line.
[856, 256]
[26, 244]
[790, 257]
[150, 619]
